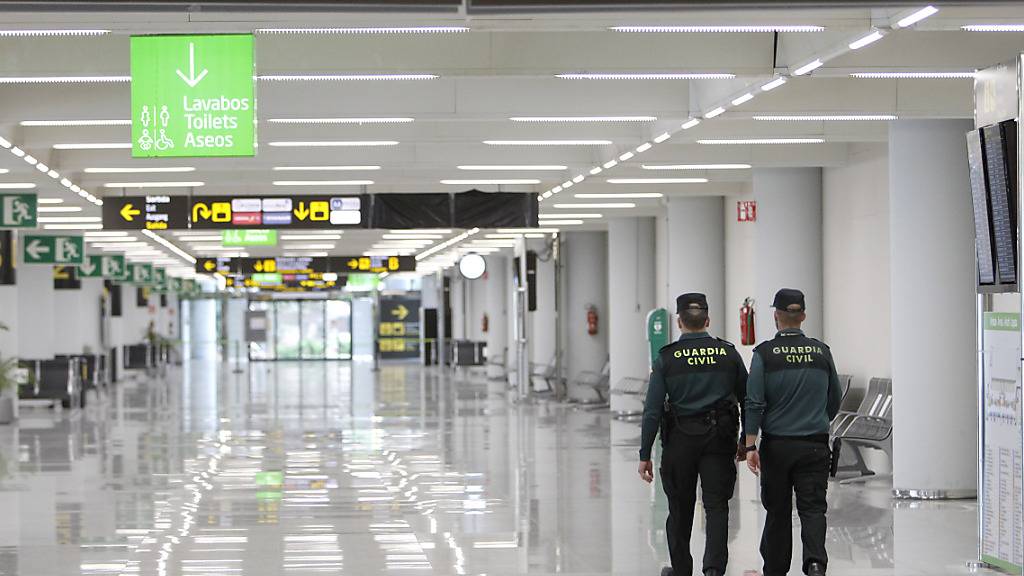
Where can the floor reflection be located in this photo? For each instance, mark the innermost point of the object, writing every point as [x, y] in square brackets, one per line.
[333, 467]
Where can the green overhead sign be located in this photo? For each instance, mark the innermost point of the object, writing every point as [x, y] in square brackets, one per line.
[37, 249]
[109, 266]
[18, 211]
[193, 96]
[141, 274]
[160, 279]
[249, 237]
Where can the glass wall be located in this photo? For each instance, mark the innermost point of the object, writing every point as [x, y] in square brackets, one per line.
[300, 330]
[339, 329]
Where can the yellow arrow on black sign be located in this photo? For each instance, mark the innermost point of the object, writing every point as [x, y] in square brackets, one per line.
[129, 212]
[400, 312]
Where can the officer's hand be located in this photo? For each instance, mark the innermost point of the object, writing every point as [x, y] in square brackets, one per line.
[646, 471]
[741, 451]
[754, 462]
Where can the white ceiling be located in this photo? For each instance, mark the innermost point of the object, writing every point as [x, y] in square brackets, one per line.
[504, 66]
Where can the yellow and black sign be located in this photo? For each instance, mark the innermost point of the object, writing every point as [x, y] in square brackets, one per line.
[275, 212]
[66, 278]
[307, 265]
[398, 333]
[145, 212]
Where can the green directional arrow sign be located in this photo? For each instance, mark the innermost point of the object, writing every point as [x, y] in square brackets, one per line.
[244, 237]
[36, 249]
[160, 279]
[140, 273]
[92, 267]
[193, 96]
[18, 211]
[173, 284]
[113, 267]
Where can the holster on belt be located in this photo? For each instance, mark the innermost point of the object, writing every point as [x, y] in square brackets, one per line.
[723, 418]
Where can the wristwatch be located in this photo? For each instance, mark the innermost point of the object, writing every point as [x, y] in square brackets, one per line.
[751, 448]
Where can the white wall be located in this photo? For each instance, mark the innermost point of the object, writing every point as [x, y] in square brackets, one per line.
[631, 291]
[542, 320]
[740, 283]
[9, 317]
[35, 312]
[856, 271]
[76, 318]
[586, 282]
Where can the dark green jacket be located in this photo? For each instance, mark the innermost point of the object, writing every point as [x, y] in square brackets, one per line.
[695, 373]
[793, 389]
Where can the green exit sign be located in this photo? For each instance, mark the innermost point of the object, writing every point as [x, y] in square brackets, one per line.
[249, 237]
[193, 96]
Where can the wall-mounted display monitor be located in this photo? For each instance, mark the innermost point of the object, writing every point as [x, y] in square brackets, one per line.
[992, 154]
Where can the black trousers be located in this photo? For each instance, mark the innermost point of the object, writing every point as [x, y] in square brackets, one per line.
[711, 458]
[789, 466]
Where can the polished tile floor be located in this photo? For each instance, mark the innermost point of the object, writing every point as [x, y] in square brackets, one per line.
[332, 468]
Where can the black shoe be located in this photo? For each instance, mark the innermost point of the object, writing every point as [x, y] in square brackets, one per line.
[667, 571]
[713, 572]
[815, 569]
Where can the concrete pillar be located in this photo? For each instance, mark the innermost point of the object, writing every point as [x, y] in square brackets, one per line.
[35, 312]
[695, 247]
[542, 320]
[495, 287]
[788, 253]
[631, 294]
[76, 317]
[585, 278]
[933, 308]
[740, 258]
[9, 313]
[202, 327]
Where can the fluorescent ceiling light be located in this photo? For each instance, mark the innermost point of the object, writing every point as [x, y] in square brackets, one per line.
[650, 76]
[514, 167]
[343, 77]
[204, 238]
[55, 32]
[340, 120]
[913, 75]
[30, 159]
[322, 182]
[579, 178]
[311, 237]
[547, 142]
[62, 79]
[105, 234]
[917, 16]
[656, 181]
[555, 190]
[50, 201]
[568, 184]
[871, 38]
[690, 123]
[73, 226]
[44, 209]
[72, 123]
[368, 30]
[583, 118]
[742, 99]
[695, 166]
[526, 231]
[492, 181]
[632, 195]
[719, 29]
[716, 112]
[809, 67]
[610, 164]
[154, 184]
[18, 152]
[309, 246]
[68, 219]
[94, 146]
[421, 231]
[993, 28]
[644, 147]
[825, 117]
[16, 185]
[571, 215]
[332, 143]
[773, 84]
[154, 170]
[563, 222]
[596, 170]
[325, 168]
[412, 236]
[625, 156]
[664, 136]
[598, 205]
[763, 141]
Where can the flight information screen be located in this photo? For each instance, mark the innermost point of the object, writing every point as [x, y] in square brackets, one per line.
[999, 144]
[979, 196]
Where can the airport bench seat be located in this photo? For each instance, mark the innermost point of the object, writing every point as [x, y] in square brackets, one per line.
[630, 386]
[869, 427]
[58, 379]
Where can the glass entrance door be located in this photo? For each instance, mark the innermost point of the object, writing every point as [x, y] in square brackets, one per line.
[304, 330]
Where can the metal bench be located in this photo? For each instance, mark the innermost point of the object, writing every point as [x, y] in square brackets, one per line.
[869, 427]
[630, 386]
[51, 382]
[544, 376]
[599, 382]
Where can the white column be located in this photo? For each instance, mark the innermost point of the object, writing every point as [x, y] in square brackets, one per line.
[495, 287]
[542, 320]
[203, 328]
[933, 308]
[585, 277]
[788, 253]
[9, 313]
[695, 242]
[740, 282]
[35, 312]
[630, 297]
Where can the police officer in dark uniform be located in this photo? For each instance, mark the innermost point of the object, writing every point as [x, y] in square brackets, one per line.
[704, 380]
[793, 393]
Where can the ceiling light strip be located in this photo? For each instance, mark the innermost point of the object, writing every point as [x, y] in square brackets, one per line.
[648, 76]
[368, 30]
[570, 119]
[343, 77]
[754, 28]
[447, 243]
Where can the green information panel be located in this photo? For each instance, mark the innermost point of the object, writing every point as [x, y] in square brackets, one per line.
[160, 279]
[109, 266]
[249, 237]
[193, 96]
[659, 331]
[52, 249]
[140, 273]
[18, 210]
[173, 284]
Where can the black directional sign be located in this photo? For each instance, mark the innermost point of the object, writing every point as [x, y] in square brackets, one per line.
[314, 211]
[306, 265]
[145, 212]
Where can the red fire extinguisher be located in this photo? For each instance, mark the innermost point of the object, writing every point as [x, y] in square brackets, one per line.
[486, 323]
[747, 322]
[592, 320]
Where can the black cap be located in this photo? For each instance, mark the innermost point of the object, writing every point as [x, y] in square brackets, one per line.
[691, 301]
[788, 297]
